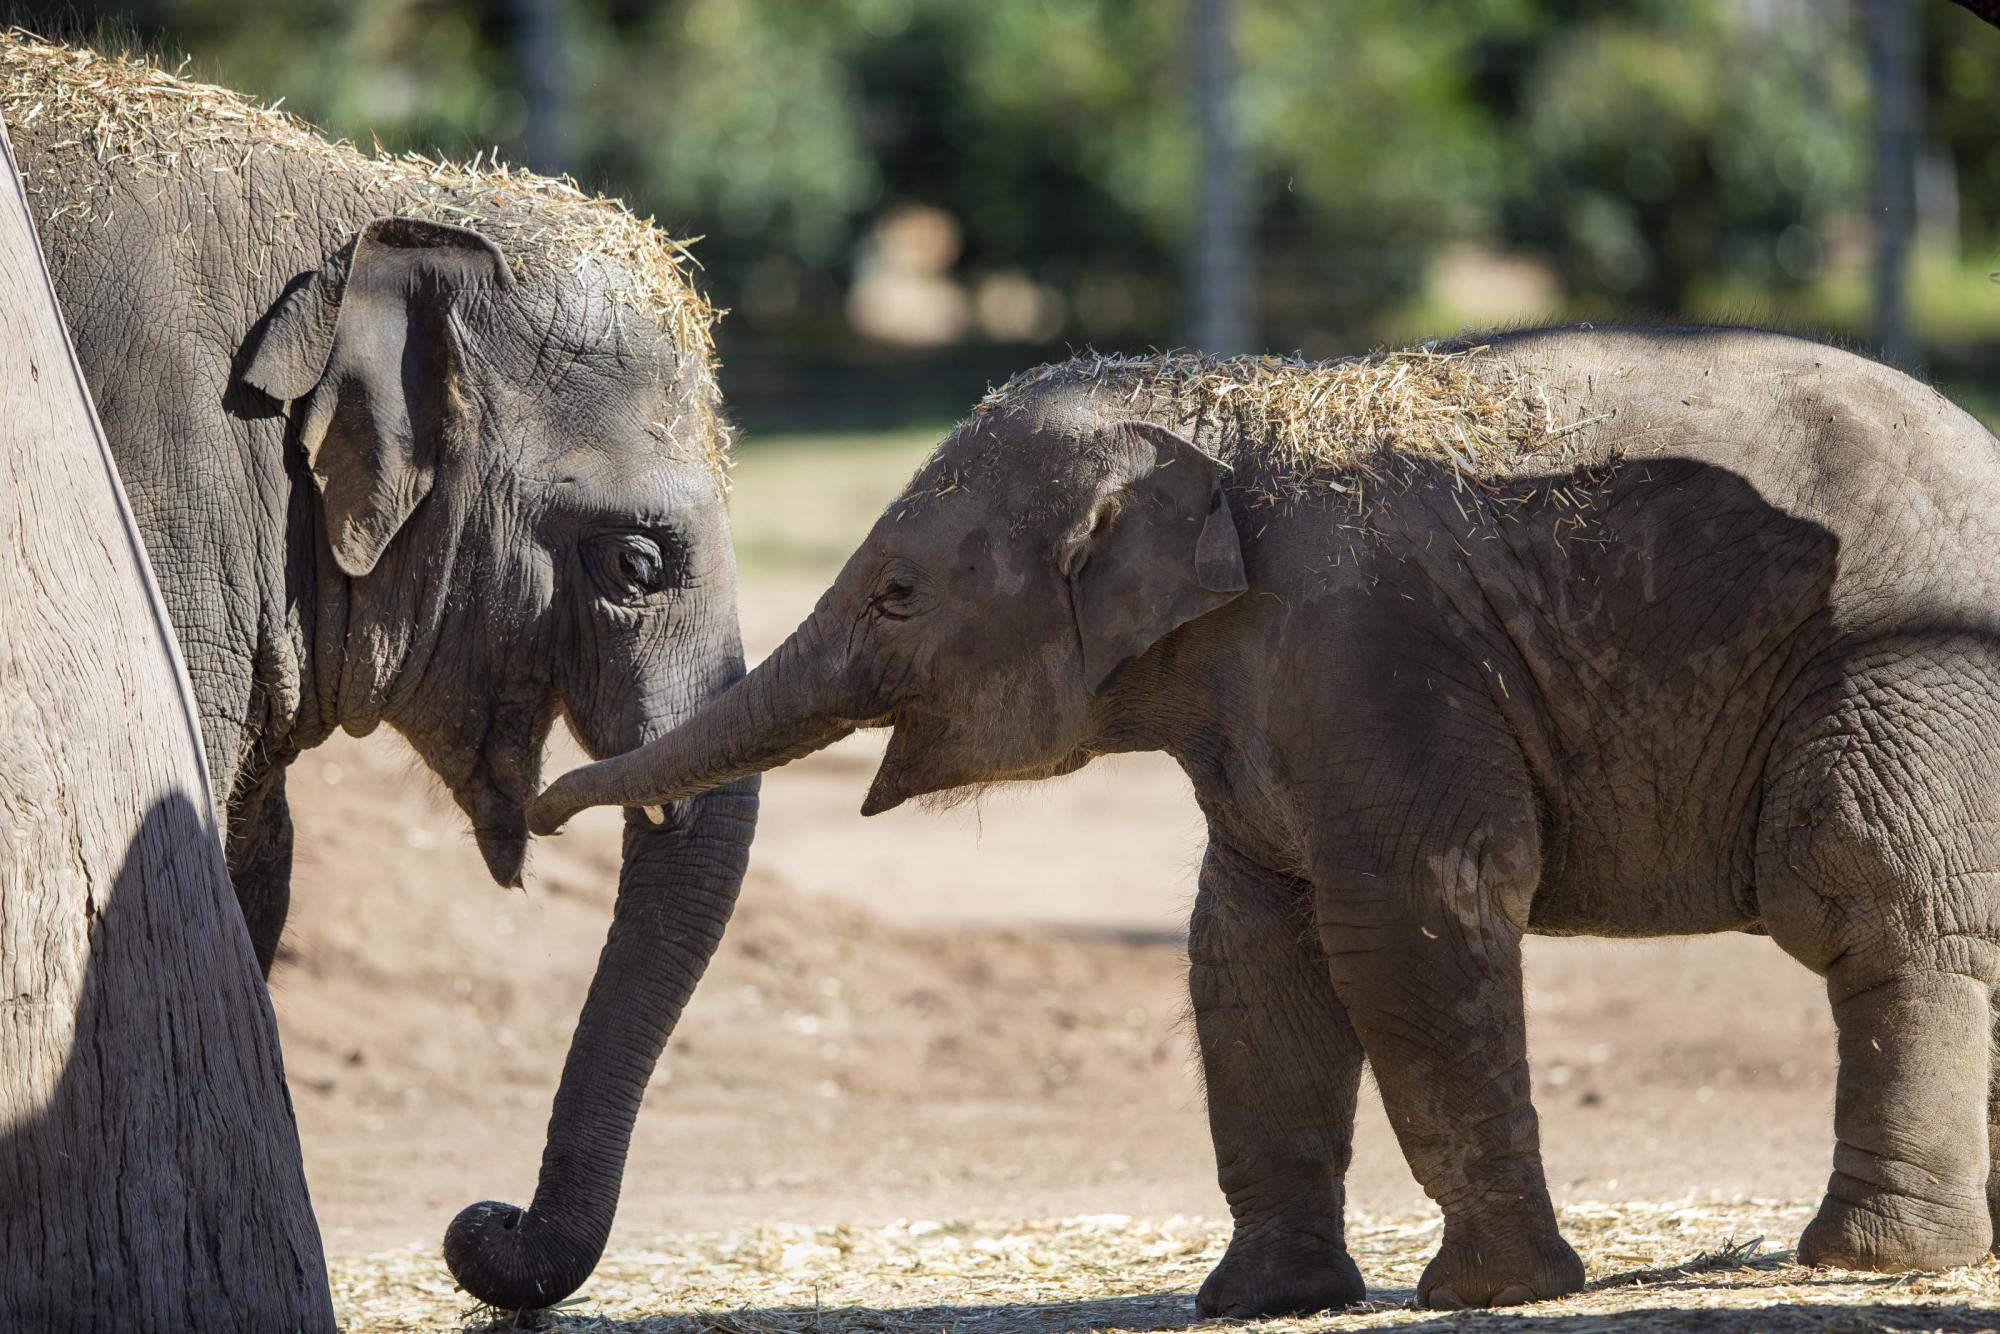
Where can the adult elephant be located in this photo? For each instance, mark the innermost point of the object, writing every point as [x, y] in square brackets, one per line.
[424, 446]
[127, 981]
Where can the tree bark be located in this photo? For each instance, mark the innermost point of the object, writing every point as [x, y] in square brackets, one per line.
[149, 1164]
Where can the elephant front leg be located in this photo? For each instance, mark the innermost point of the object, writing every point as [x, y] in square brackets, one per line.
[1429, 968]
[1282, 1067]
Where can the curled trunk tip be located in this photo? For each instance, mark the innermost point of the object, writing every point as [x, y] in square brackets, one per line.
[506, 1257]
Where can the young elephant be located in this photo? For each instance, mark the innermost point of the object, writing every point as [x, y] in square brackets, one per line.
[1620, 632]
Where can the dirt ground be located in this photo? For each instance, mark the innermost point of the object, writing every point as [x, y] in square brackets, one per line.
[1651, 1268]
[975, 1015]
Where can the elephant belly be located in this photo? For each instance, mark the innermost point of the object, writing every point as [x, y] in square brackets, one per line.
[1646, 886]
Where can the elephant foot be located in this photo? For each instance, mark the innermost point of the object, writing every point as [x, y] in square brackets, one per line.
[1263, 1279]
[1893, 1234]
[1491, 1268]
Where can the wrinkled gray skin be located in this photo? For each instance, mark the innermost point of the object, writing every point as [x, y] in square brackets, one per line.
[494, 536]
[1759, 690]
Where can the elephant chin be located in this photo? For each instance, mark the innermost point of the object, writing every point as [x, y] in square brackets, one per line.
[505, 849]
[500, 827]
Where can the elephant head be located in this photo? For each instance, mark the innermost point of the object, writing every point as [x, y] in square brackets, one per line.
[517, 516]
[987, 618]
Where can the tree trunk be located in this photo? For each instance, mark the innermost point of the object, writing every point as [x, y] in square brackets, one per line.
[149, 1164]
[1892, 65]
[1221, 278]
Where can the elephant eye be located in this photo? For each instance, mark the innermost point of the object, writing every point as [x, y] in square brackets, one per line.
[640, 569]
[894, 599]
[629, 566]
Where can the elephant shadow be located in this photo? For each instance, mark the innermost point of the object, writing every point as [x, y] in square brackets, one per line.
[155, 1183]
[1667, 1297]
[1156, 1313]
[1148, 1312]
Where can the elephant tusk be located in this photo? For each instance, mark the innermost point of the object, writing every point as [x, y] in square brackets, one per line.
[657, 814]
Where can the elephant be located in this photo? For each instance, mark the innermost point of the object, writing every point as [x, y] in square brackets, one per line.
[426, 445]
[1631, 631]
[128, 983]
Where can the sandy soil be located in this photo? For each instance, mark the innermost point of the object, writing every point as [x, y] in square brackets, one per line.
[1682, 1267]
[969, 1015]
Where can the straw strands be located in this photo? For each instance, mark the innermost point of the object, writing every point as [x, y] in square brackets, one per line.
[1296, 426]
[112, 121]
[1724, 1267]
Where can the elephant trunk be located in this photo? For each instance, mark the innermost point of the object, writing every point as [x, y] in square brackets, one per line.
[790, 706]
[676, 891]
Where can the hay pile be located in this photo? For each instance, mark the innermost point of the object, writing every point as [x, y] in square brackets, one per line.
[1290, 427]
[1652, 1267]
[111, 120]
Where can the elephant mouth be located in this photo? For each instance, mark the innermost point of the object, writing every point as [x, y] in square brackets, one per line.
[919, 764]
[884, 794]
[913, 748]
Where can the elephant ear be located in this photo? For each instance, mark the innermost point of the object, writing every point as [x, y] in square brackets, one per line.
[1160, 548]
[364, 346]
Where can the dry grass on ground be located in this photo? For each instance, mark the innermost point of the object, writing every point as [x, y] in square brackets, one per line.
[1652, 1267]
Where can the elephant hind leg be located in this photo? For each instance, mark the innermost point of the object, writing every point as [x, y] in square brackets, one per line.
[1877, 867]
[1910, 1169]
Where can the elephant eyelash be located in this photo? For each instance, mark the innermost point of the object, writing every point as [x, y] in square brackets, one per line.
[893, 592]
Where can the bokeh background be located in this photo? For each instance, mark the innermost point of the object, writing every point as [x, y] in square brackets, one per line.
[902, 200]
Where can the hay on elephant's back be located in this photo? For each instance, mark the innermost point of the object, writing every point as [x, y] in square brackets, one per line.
[1295, 426]
[131, 113]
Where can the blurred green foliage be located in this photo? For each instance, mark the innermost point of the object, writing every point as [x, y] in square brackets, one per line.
[1662, 157]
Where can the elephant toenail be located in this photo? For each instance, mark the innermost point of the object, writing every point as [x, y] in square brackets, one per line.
[1444, 1299]
[1513, 1295]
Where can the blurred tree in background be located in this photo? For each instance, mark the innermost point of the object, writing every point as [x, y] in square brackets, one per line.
[1672, 146]
[901, 199]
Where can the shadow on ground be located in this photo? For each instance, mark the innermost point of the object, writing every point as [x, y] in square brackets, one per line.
[1651, 1308]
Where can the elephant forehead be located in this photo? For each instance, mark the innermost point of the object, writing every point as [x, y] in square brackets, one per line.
[1017, 476]
[1071, 410]
[997, 562]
